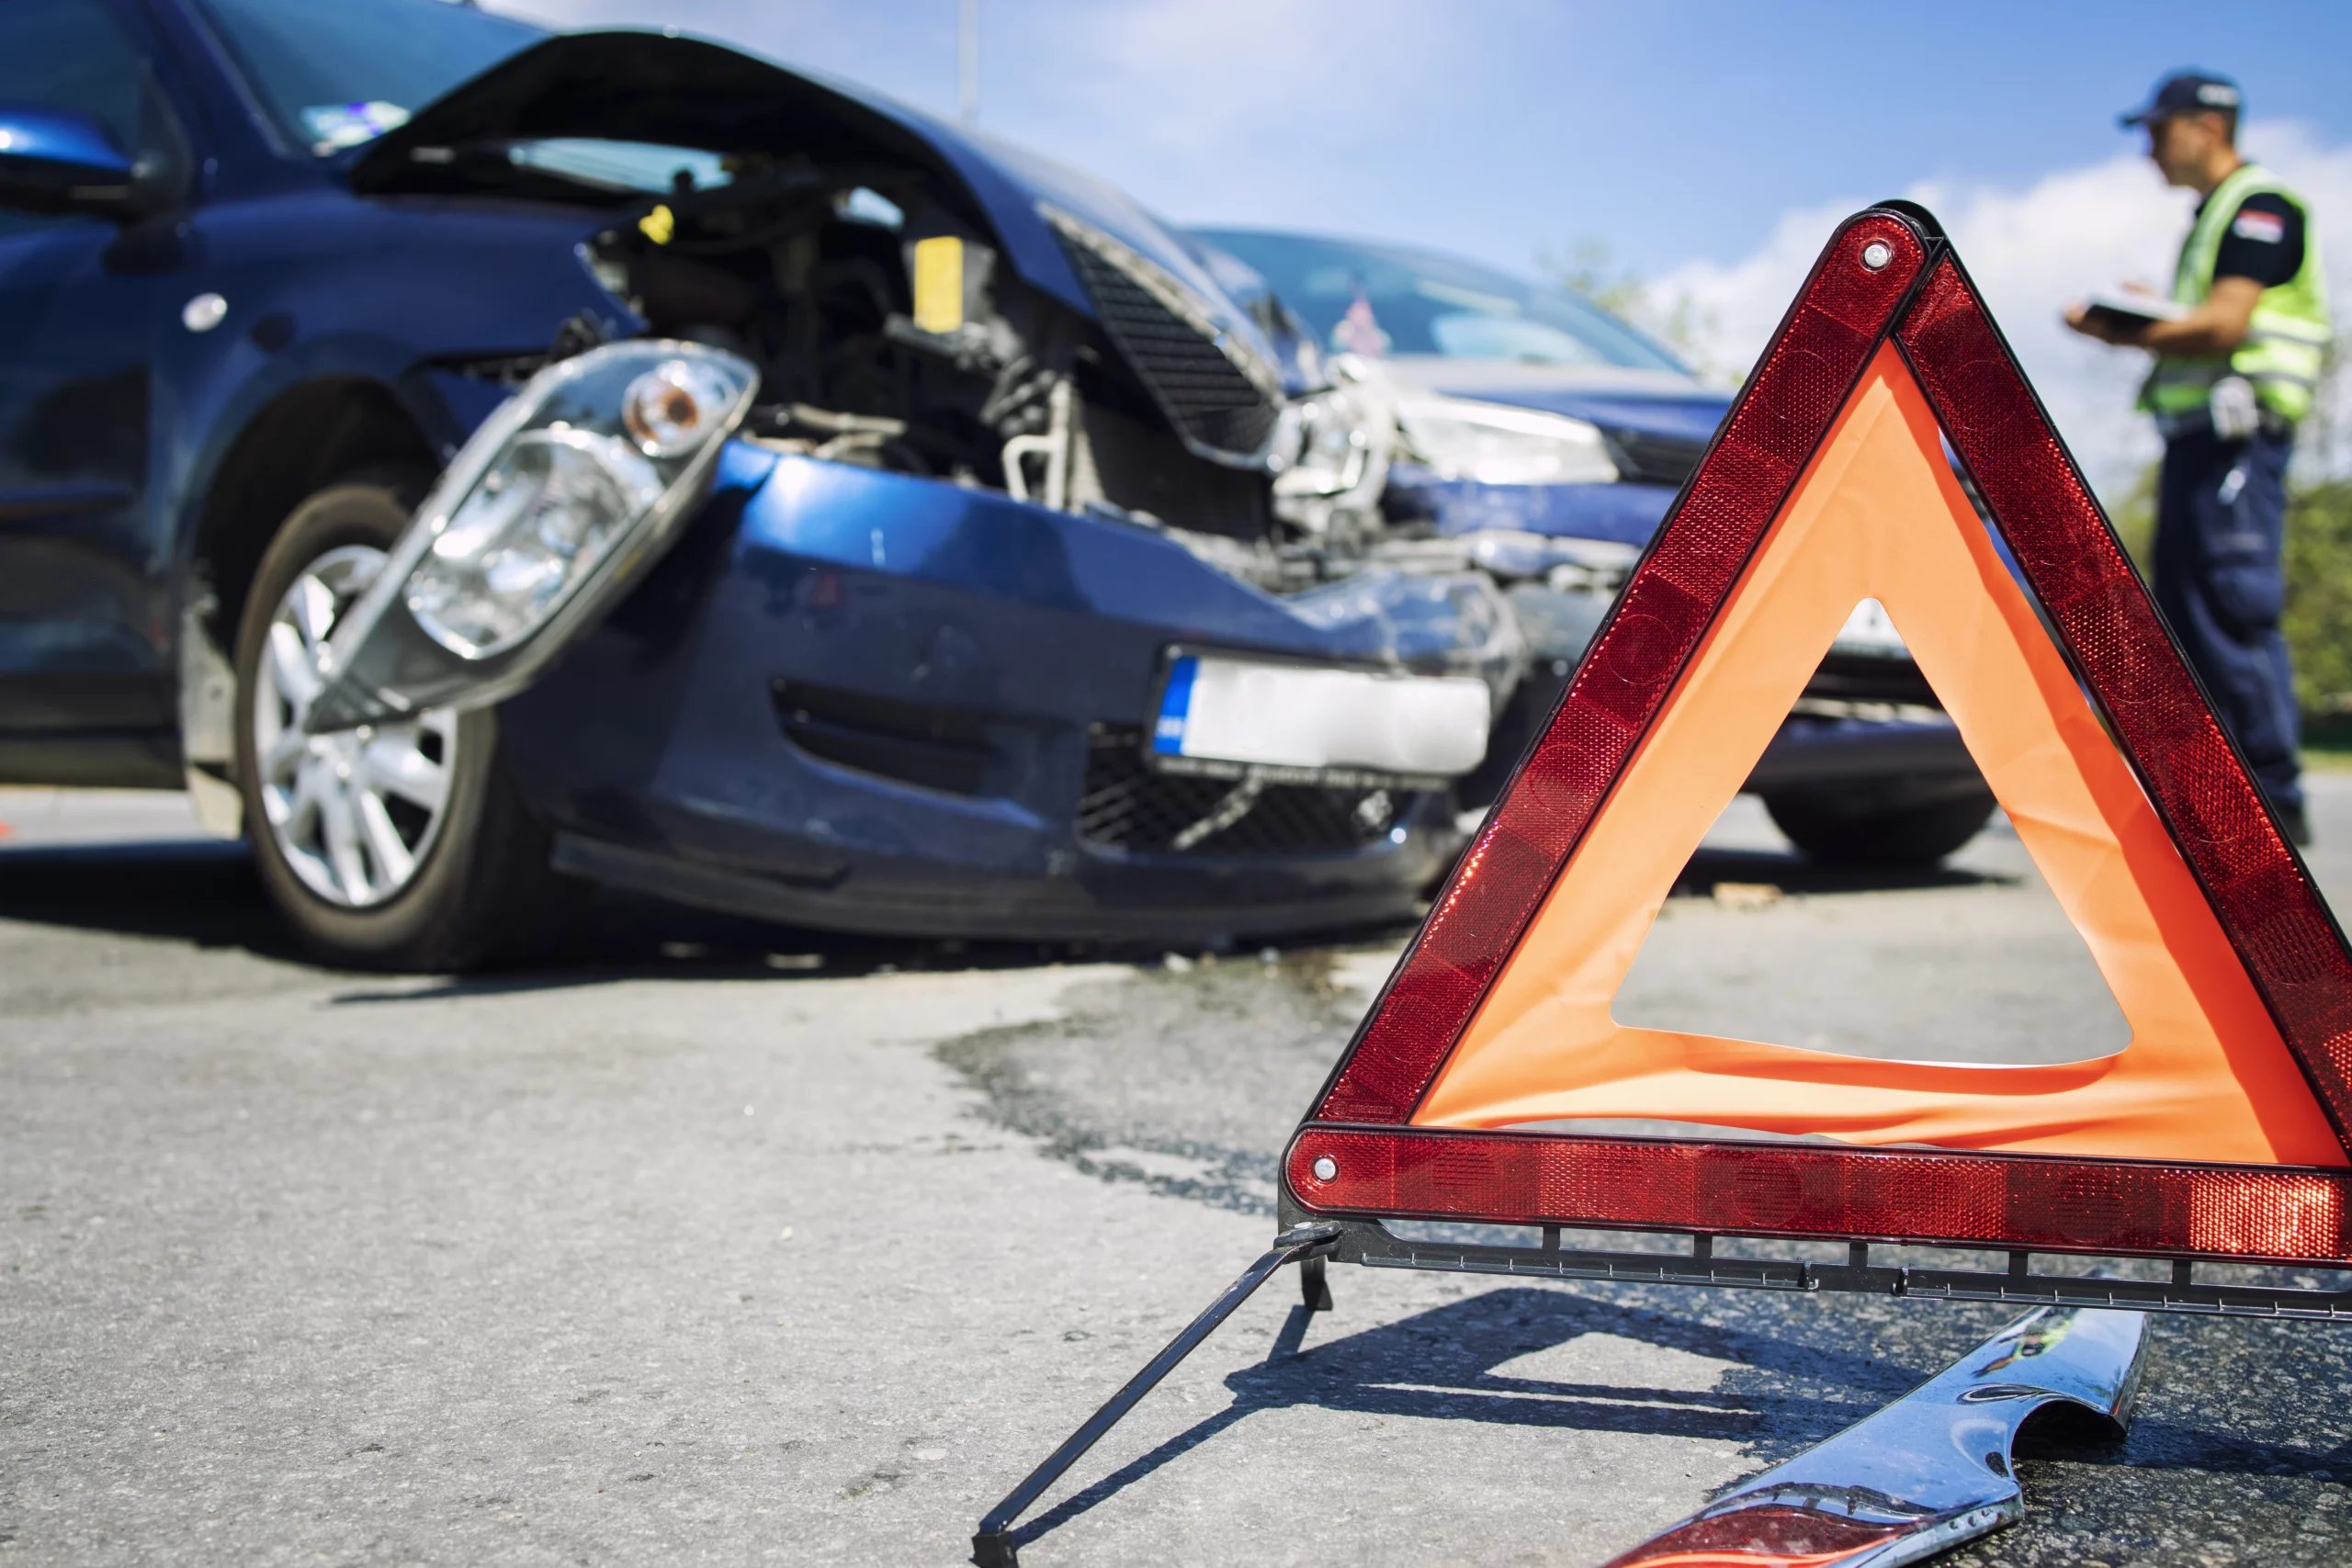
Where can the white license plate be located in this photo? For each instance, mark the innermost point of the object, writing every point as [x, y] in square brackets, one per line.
[1251, 712]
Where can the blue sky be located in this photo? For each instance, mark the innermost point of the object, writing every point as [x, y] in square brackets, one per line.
[1673, 131]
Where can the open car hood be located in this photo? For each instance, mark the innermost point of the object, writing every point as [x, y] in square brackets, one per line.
[684, 91]
[625, 86]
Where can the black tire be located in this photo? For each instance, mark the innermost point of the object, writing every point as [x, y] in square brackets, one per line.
[478, 890]
[1837, 831]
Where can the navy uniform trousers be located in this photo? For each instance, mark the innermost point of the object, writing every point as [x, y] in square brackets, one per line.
[2221, 524]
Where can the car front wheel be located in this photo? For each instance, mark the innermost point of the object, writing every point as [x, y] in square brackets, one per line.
[388, 846]
[1836, 831]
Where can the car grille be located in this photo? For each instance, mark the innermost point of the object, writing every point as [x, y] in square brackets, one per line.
[1652, 459]
[1203, 387]
[1126, 805]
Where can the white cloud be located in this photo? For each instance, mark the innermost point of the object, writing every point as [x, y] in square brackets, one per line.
[2032, 250]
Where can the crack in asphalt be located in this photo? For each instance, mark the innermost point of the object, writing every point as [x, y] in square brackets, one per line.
[1079, 1085]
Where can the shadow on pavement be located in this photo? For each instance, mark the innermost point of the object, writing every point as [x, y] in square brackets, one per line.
[1793, 874]
[201, 891]
[2169, 1445]
[205, 892]
[1441, 1365]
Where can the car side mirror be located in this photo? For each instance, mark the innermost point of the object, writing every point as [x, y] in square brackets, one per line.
[56, 160]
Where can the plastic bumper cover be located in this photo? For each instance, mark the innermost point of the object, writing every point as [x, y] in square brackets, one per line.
[862, 701]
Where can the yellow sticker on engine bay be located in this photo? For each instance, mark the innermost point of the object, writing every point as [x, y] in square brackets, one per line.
[939, 283]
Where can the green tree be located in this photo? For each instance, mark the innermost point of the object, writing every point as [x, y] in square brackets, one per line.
[2134, 517]
[2317, 561]
[1590, 269]
[1677, 321]
[2318, 569]
[2318, 621]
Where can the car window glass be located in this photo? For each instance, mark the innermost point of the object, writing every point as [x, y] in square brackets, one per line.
[336, 76]
[623, 165]
[1479, 334]
[1381, 299]
[70, 54]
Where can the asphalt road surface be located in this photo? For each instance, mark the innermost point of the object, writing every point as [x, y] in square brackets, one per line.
[725, 1244]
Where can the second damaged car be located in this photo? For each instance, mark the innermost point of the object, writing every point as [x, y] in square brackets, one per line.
[1544, 440]
[613, 458]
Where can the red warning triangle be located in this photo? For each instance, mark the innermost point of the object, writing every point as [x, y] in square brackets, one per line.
[2220, 1131]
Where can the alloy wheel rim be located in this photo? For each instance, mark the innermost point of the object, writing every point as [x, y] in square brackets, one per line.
[356, 812]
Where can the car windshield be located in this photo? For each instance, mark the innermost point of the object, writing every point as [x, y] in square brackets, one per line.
[333, 76]
[622, 165]
[1379, 300]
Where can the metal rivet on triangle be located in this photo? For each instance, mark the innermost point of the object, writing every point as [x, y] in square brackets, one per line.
[1877, 254]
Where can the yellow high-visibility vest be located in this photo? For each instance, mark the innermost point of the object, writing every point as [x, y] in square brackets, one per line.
[2286, 342]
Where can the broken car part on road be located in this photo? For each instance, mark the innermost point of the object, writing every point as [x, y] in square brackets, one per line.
[1933, 1469]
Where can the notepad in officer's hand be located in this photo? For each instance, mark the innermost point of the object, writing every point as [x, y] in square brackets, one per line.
[2129, 309]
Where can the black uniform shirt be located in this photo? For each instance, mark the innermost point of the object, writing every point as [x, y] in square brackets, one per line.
[2264, 241]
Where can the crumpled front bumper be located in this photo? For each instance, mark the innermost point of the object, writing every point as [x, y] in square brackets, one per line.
[862, 701]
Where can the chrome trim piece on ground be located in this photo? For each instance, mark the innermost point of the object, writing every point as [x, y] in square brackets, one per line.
[1931, 1470]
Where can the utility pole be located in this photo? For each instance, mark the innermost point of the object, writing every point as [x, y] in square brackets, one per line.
[968, 63]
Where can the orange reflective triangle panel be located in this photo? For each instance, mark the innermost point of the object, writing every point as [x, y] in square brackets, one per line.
[2219, 1131]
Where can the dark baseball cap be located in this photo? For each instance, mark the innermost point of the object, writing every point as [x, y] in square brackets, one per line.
[2187, 92]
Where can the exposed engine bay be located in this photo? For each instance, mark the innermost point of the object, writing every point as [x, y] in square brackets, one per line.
[888, 333]
[891, 334]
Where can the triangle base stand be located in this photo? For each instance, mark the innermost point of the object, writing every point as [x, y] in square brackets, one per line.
[1314, 1243]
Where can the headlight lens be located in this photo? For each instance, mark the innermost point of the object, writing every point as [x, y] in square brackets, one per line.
[594, 451]
[1331, 451]
[1487, 443]
[549, 508]
[543, 519]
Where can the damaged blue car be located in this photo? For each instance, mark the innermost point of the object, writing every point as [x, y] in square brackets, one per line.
[477, 462]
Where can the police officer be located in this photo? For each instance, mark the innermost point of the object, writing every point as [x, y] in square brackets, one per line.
[2232, 375]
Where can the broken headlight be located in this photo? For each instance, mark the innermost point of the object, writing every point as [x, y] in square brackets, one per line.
[557, 503]
[1331, 449]
[1457, 438]
[550, 509]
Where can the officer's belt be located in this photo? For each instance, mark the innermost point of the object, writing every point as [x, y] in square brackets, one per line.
[2199, 422]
